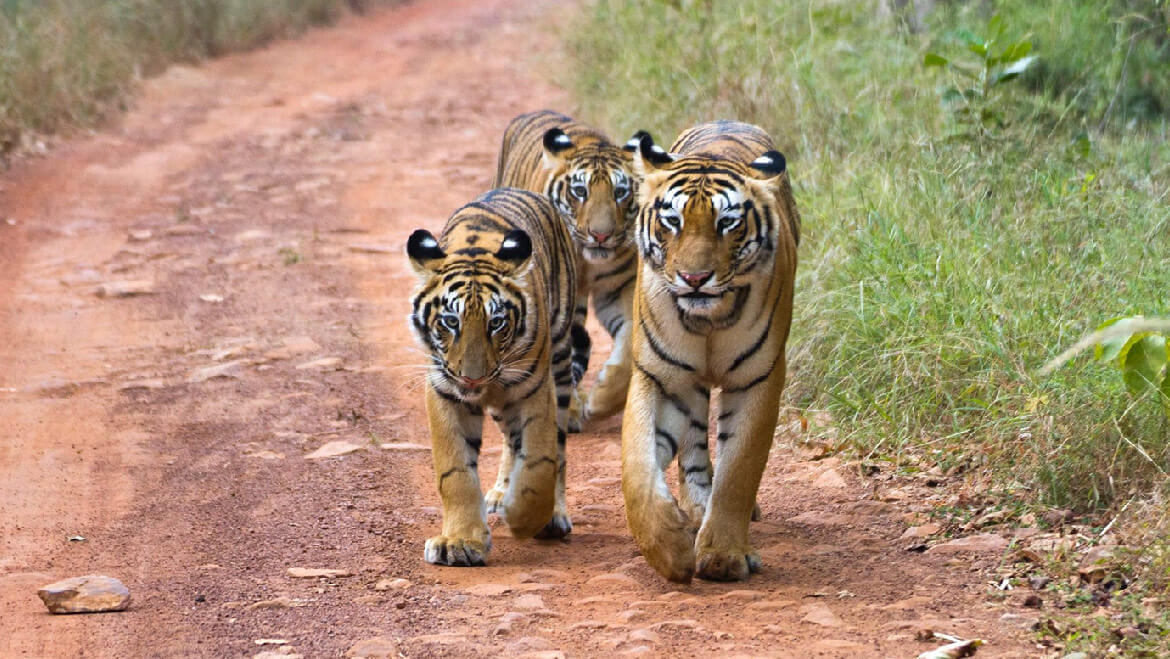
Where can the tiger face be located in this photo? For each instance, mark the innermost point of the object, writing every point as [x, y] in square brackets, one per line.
[593, 188]
[706, 227]
[469, 311]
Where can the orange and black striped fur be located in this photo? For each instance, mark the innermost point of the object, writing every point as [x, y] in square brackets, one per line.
[591, 184]
[717, 233]
[494, 311]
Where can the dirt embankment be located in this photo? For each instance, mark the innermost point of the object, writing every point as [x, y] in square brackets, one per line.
[262, 202]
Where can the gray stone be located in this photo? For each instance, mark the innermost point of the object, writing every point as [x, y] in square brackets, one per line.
[89, 594]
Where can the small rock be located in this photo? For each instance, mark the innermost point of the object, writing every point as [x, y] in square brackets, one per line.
[975, 543]
[830, 479]
[489, 590]
[685, 623]
[271, 641]
[250, 235]
[89, 594]
[323, 363]
[1033, 601]
[917, 532]
[1039, 582]
[140, 235]
[378, 647]
[1051, 544]
[589, 624]
[211, 297]
[282, 653]
[333, 449]
[225, 370]
[771, 605]
[314, 573]
[1095, 563]
[744, 595]
[392, 584]
[615, 579]
[266, 455]
[819, 614]
[529, 602]
[293, 345]
[644, 636]
[632, 614]
[403, 446]
[183, 230]
[128, 288]
[1022, 622]
[441, 639]
[527, 644]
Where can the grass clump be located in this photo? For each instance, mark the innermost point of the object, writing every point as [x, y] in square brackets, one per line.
[70, 62]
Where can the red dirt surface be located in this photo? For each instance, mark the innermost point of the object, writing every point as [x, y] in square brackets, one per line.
[285, 182]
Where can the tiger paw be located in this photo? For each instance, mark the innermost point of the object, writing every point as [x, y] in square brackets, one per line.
[606, 400]
[493, 500]
[558, 527]
[457, 552]
[727, 565]
[576, 417]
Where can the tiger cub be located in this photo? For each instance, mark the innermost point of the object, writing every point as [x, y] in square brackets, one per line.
[590, 182]
[717, 232]
[494, 311]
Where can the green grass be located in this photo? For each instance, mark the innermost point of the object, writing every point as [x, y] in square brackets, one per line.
[940, 269]
[71, 62]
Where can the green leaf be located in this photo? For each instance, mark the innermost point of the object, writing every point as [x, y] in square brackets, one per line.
[979, 48]
[1109, 349]
[1142, 364]
[952, 96]
[1166, 391]
[995, 26]
[933, 59]
[1016, 51]
[1081, 145]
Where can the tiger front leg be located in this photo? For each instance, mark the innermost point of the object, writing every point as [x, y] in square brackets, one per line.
[747, 422]
[495, 496]
[456, 432]
[527, 505]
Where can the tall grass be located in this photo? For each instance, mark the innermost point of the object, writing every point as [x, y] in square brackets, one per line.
[69, 62]
[938, 272]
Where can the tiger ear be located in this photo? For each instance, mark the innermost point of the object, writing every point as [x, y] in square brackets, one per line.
[771, 165]
[635, 140]
[515, 249]
[556, 143]
[425, 253]
[649, 157]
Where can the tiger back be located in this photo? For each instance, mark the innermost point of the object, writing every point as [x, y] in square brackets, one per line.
[590, 181]
[717, 233]
[493, 310]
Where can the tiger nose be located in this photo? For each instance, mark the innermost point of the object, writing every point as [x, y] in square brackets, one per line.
[696, 279]
[600, 236]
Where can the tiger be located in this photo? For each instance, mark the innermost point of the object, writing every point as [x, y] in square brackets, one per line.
[493, 310]
[717, 235]
[590, 182]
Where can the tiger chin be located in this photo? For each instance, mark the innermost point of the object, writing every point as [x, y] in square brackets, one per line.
[590, 181]
[494, 312]
[717, 232]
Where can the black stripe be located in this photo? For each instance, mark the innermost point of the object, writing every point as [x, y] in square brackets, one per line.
[658, 349]
[760, 379]
[678, 403]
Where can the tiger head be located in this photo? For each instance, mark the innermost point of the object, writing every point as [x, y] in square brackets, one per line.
[592, 187]
[707, 226]
[469, 310]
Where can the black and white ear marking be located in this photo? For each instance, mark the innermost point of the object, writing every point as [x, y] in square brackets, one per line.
[515, 248]
[632, 144]
[652, 153]
[556, 140]
[771, 163]
[423, 246]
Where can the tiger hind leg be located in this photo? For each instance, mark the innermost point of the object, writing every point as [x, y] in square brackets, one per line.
[561, 523]
[495, 496]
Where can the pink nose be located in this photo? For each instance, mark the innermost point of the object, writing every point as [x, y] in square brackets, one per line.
[696, 279]
[471, 382]
[600, 237]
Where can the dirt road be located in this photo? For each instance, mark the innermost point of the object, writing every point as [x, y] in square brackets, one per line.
[261, 202]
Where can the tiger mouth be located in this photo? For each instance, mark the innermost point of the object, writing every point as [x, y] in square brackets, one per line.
[700, 295]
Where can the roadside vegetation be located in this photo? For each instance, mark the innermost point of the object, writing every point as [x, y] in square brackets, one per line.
[67, 63]
[982, 185]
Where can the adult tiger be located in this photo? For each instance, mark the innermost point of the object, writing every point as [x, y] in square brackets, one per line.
[717, 231]
[590, 183]
[494, 310]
